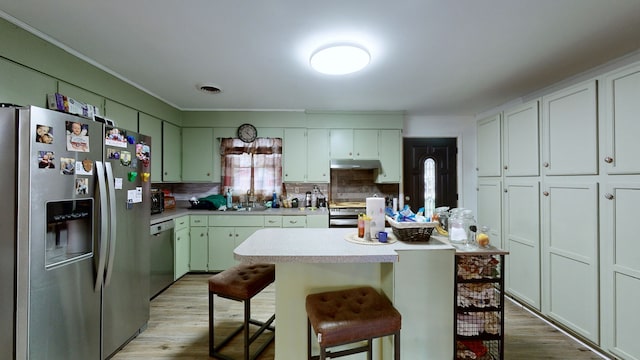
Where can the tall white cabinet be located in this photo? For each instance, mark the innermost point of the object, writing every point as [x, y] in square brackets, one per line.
[570, 179]
[619, 200]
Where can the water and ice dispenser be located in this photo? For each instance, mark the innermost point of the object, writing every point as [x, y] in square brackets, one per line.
[69, 231]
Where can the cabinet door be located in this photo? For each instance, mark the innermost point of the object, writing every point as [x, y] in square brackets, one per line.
[620, 269]
[318, 160]
[171, 152]
[318, 221]
[221, 245]
[570, 139]
[199, 248]
[390, 154]
[28, 87]
[622, 109]
[365, 144]
[341, 141]
[294, 155]
[197, 154]
[151, 126]
[522, 240]
[570, 256]
[521, 138]
[489, 147]
[220, 133]
[124, 116]
[242, 234]
[182, 253]
[490, 209]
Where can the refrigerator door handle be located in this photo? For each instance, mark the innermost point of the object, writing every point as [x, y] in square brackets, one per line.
[112, 221]
[104, 219]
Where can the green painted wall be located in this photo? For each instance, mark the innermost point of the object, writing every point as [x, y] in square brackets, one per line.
[33, 53]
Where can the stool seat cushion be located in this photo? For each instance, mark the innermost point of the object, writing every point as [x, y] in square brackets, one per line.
[242, 281]
[345, 316]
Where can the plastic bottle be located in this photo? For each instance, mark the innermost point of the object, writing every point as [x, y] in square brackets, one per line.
[229, 199]
[274, 201]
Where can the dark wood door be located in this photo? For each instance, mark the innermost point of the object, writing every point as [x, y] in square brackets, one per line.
[443, 151]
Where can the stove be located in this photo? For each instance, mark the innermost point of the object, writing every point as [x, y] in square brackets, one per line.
[345, 214]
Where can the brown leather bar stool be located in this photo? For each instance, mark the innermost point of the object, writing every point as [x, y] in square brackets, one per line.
[349, 316]
[241, 283]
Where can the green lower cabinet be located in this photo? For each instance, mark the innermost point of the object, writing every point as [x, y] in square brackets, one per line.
[222, 241]
[318, 221]
[242, 234]
[221, 245]
[199, 249]
[181, 255]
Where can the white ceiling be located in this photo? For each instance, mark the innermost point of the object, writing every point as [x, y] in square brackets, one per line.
[429, 57]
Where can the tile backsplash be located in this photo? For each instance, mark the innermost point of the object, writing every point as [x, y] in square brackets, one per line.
[346, 185]
[357, 185]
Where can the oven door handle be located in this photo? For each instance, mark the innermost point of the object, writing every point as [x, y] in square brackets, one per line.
[343, 222]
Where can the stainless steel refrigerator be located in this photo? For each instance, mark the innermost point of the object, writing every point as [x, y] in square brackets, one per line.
[77, 237]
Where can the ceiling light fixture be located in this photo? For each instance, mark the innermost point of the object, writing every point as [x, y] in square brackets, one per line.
[340, 59]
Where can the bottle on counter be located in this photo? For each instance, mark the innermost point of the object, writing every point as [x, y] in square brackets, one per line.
[229, 198]
[274, 201]
[360, 225]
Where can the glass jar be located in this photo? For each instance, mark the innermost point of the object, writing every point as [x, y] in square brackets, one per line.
[470, 227]
[456, 228]
[482, 237]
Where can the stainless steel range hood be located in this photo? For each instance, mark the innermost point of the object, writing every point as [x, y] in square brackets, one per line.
[350, 164]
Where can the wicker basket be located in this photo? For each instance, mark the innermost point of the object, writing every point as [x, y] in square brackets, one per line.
[411, 231]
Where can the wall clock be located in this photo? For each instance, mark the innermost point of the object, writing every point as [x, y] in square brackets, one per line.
[247, 133]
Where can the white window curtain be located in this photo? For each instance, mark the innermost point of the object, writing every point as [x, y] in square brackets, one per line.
[254, 167]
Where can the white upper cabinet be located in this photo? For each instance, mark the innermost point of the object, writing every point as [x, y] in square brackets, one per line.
[521, 139]
[622, 121]
[318, 155]
[570, 126]
[390, 143]
[354, 144]
[489, 147]
[294, 155]
[197, 154]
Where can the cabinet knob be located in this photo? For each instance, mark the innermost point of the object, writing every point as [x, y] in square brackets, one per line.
[545, 164]
[506, 167]
[166, 173]
[505, 190]
[477, 169]
[608, 196]
[230, 235]
[545, 193]
[236, 235]
[608, 159]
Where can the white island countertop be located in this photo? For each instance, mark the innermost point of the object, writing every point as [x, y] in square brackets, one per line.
[302, 245]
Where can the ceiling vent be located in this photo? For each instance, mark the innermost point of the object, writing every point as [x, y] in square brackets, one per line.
[209, 88]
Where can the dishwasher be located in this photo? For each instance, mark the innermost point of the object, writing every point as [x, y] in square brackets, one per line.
[162, 250]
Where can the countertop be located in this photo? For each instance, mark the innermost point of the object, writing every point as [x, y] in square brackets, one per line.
[277, 245]
[183, 208]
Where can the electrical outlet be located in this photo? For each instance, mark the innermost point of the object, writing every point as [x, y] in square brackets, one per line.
[296, 190]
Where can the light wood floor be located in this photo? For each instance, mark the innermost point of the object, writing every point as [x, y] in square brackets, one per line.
[179, 328]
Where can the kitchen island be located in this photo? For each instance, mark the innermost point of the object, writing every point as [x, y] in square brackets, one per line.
[417, 277]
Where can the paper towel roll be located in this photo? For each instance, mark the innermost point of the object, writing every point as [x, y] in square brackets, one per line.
[375, 210]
